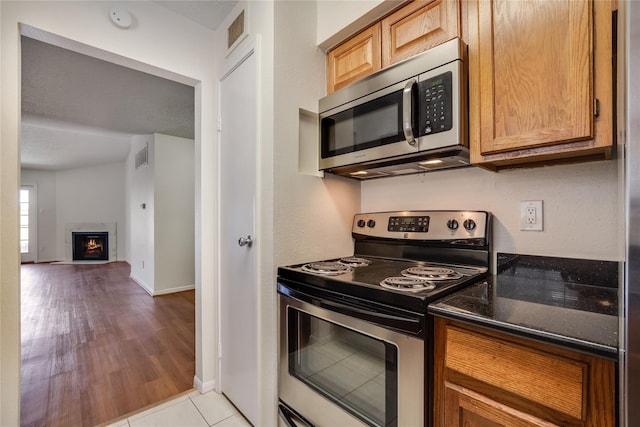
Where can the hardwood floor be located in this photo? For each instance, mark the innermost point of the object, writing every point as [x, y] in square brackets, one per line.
[96, 346]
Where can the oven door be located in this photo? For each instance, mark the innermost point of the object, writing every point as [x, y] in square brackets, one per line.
[338, 370]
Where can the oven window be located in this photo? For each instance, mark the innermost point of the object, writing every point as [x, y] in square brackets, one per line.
[356, 371]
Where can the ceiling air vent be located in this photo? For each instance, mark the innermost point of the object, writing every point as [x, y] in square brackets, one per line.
[142, 157]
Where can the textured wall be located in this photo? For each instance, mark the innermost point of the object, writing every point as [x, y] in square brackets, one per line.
[581, 205]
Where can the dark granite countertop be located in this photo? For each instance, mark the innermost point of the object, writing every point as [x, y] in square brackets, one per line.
[562, 301]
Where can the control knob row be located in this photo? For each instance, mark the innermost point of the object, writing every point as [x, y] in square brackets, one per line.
[468, 224]
[371, 223]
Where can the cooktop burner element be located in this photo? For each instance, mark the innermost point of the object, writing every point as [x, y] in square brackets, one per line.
[404, 283]
[431, 273]
[327, 268]
[354, 261]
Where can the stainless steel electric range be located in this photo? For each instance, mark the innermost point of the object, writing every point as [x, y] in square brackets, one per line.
[355, 339]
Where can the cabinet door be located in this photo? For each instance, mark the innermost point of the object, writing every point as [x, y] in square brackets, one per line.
[466, 408]
[536, 73]
[535, 70]
[354, 59]
[486, 378]
[417, 27]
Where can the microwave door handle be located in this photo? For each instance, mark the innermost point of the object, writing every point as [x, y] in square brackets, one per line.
[407, 116]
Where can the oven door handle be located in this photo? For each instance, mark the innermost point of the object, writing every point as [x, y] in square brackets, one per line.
[405, 324]
[372, 316]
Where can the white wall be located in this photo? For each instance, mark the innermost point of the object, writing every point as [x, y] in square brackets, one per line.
[312, 215]
[159, 42]
[581, 205]
[174, 240]
[93, 194]
[140, 237]
[45, 182]
[162, 236]
[337, 20]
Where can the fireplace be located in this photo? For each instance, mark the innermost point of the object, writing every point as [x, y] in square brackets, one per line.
[90, 246]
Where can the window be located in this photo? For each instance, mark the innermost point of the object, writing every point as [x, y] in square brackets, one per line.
[24, 221]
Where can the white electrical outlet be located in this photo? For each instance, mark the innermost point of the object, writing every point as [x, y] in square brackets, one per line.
[531, 215]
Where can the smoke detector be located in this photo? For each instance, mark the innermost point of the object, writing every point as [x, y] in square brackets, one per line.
[120, 17]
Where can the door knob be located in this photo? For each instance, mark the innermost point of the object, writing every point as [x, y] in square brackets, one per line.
[245, 241]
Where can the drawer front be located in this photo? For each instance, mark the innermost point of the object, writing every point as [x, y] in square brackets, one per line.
[534, 375]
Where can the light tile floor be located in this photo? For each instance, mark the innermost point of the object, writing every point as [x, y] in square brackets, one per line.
[189, 410]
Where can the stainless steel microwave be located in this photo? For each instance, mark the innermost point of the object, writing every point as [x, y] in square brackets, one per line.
[408, 118]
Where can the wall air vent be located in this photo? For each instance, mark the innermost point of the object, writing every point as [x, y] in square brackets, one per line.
[142, 157]
[235, 30]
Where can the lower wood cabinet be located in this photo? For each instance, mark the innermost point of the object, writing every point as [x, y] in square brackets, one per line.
[486, 378]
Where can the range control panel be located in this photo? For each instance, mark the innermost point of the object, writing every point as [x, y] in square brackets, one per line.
[409, 223]
[423, 225]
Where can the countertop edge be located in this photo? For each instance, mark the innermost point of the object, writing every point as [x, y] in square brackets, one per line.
[570, 343]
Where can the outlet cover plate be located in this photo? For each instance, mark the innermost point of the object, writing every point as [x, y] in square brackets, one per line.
[531, 215]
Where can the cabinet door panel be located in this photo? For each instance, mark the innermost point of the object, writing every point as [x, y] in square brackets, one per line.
[354, 59]
[465, 408]
[417, 27]
[499, 363]
[536, 73]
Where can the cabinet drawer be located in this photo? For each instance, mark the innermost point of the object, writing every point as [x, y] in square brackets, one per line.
[525, 372]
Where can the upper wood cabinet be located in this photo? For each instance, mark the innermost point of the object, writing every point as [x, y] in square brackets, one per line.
[536, 69]
[418, 26]
[486, 378]
[414, 28]
[354, 59]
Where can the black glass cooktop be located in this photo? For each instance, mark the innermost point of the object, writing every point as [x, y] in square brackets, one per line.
[364, 282]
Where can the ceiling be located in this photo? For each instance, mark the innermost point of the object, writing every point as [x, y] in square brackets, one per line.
[79, 111]
[209, 13]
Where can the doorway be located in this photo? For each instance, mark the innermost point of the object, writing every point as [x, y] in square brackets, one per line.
[88, 132]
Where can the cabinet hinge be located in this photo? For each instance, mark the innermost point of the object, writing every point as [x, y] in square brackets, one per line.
[596, 107]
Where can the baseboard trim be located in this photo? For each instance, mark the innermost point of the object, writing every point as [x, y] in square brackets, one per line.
[154, 293]
[174, 290]
[141, 283]
[203, 387]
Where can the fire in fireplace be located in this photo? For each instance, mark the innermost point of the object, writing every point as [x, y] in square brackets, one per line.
[90, 246]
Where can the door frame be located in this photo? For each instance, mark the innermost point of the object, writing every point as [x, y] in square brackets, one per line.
[203, 187]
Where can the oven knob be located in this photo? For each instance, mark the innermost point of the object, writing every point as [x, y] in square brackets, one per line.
[452, 224]
[469, 224]
[371, 223]
[361, 223]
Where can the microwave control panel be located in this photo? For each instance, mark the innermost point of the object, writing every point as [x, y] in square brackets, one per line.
[435, 104]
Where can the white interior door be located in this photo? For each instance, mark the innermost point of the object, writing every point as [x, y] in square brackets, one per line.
[238, 287]
[28, 224]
